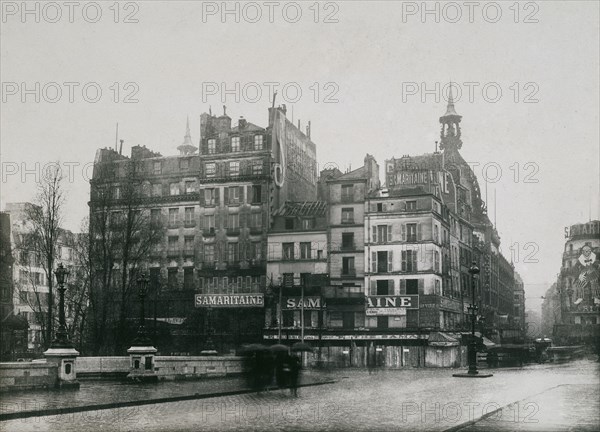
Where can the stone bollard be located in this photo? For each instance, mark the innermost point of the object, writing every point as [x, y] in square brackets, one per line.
[65, 359]
[141, 366]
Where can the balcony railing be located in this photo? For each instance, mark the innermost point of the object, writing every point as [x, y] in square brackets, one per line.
[189, 223]
[349, 272]
[173, 252]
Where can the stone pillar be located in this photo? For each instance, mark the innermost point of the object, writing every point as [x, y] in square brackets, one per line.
[141, 365]
[66, 360]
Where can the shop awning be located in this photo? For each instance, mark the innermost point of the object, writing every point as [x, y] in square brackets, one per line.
[442, 339]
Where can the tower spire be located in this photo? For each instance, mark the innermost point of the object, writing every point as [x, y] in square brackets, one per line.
[450, 133]
[187, 147]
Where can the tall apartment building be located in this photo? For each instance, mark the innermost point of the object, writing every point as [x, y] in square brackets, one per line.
[216, 206]
[297, 263]
[29, 280]
[578, 286]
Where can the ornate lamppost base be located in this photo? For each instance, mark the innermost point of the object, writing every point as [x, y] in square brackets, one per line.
[65, 360]
[142, 367]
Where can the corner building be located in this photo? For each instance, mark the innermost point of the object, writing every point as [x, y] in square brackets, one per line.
[216, 206]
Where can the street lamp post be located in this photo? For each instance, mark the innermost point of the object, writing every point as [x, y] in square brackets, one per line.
[142, 352]
[62, 336]
[61, 351]
[142, 337]
[472, 347]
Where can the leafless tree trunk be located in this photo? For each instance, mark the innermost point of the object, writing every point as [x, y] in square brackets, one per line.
[45, 218]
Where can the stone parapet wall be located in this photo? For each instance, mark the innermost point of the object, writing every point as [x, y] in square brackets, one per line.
[27, 375]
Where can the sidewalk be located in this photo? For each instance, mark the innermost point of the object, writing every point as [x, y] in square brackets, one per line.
[95, 395]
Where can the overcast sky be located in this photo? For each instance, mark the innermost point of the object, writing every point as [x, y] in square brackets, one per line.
[362, 80]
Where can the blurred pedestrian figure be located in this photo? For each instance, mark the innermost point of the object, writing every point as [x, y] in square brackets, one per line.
[266, 370]
[294, 374]
[371, 359]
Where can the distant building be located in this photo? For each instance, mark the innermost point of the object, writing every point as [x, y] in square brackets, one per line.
[30, 277]
[518, 314]
[579, 285]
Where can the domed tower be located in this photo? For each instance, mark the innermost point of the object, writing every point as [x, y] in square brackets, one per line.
[450, 133]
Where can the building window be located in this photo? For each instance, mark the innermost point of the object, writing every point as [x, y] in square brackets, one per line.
[184, 164]
[157, 189]
[209, 197]
[409, 261]
[188, 278]
[210, 169]
[233, 221]
[436, 261]
[412, 286]
[157, 167]
[209, 222]
[348, 266]
[308, 224]
[380, 209]
[233, 195]
[190, 186]
[212, 146]
[172, 279]
[235, 144]
[411, 205]
[347, 215]
[257, 168]
[347, 193]
[116, 192]
[258, 142]
[348, 241]
[288, 251]
[173, 216]
[188, 245]
[174, 188]
[189, 214]
[411, 232]
[233, 250]
[305, 250]
[289, 223]
[173, 245]
[255, 220]
[155, 216]
[382, 233]
[256, 250]
[256, 193]
[209, 253]
[436, 234]
[234, 169]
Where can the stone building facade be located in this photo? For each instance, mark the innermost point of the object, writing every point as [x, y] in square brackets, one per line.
[578, 286]
[215, 202]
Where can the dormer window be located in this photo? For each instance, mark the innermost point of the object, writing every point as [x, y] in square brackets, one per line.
[235, 144]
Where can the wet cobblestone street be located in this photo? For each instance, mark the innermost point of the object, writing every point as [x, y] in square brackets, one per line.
[540, 397]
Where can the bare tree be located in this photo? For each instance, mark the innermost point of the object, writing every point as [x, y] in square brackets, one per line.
[45, 220]
[122, 234]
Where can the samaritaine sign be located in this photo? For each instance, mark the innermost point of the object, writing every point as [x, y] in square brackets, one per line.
[230, 300]
[383, 305]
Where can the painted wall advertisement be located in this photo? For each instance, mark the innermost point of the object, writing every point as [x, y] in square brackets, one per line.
[382, 305]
